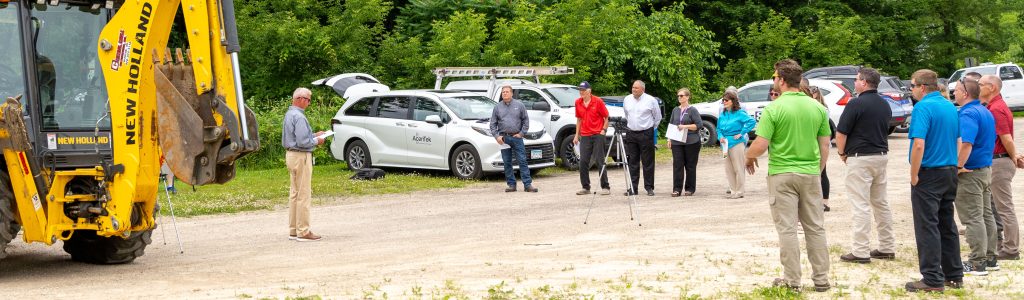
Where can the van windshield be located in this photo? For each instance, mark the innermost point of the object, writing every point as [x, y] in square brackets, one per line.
[565, 95]
[470, 107]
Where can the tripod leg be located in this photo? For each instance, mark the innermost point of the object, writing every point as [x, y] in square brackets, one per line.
[629, 179]
[174, 221]
[163, 231]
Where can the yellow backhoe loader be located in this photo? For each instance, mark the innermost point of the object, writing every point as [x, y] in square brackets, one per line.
[92, 98]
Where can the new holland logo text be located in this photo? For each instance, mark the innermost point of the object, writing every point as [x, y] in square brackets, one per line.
[121, 56]
[134, 69]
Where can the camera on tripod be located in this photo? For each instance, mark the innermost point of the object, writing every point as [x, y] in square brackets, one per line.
[619, 123]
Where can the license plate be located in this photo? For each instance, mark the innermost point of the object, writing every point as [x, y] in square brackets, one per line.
[536, 154]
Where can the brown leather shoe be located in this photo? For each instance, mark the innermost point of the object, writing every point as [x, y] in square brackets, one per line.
[309, 237]
[849, 257]
[919, 286]
[779, 282]
[882, 255]
[1004, 256]
[530, 189]
[954, 284]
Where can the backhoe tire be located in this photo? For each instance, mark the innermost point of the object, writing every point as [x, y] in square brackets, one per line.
[8, 226]
[85, 246]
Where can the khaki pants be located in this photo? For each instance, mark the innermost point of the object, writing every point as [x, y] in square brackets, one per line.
[866, 183]
[974, 206]
[794, 197]
[735, 162]
[1003, 170]
[300, 169]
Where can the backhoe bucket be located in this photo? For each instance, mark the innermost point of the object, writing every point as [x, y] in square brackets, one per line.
[199, 134]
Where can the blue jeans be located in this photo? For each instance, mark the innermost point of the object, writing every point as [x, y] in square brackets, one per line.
[519, 150]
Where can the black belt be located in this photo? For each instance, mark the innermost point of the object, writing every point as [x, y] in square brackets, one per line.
[939, 168]
[866, 154]
[297, 150]
[509, 134]
[1000, 155]
[640, 131]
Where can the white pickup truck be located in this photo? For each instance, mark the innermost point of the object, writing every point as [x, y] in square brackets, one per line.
[1010, 73]
[550, 104]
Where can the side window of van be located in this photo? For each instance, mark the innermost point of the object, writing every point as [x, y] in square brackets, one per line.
[361, 108]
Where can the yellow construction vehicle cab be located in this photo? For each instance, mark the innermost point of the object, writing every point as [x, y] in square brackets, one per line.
[93, 98]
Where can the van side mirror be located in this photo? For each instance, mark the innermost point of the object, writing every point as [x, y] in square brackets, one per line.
[541, 106]
[434, 119]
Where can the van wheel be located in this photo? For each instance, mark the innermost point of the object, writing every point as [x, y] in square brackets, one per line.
[8, 228]
[357, 156]
[85, 246]
[465, 163]
[708, 131]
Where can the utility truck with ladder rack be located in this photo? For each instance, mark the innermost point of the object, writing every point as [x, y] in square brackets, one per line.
[548, 103]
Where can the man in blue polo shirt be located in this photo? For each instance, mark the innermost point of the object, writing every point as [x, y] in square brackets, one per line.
[973, 193]
[934, 134]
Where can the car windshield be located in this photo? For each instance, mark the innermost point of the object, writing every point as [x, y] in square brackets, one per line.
[470, 107]
[566, 96]
[983, 71]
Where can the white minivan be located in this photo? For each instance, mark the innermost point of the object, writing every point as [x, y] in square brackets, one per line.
[428, 129]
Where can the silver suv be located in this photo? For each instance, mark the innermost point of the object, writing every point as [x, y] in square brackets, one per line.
[428, 129]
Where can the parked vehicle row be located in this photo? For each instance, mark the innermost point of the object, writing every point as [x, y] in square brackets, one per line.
[754, 97]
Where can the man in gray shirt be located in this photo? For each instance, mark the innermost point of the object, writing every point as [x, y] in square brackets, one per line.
[509, 123]
[298, 139]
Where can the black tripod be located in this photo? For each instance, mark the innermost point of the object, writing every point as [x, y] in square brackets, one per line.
[620, 149]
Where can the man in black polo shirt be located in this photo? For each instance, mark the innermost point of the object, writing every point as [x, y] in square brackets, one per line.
[862, 140]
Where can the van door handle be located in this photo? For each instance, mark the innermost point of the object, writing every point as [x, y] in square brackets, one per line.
[411, 125]
[399, 124]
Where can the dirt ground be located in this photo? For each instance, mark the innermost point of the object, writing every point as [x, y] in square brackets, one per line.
[479, 241]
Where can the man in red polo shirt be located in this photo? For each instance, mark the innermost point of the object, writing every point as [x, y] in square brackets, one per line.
[1003, 167]
[591, 124]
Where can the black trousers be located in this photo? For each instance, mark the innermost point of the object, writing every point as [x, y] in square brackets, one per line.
[588, 145]
[640, 150]
[938, 243]
[824, 183]
[684, 161]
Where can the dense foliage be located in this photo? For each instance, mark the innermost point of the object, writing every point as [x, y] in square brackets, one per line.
[703, 45]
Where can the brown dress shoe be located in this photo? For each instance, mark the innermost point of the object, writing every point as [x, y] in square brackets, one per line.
[920, 286]
[530, 189]
[849, 257]
[309, 237]
[882, 255]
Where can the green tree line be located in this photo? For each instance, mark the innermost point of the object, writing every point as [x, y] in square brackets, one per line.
[702, 45]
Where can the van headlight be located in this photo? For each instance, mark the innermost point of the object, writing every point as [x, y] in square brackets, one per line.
[483, 131]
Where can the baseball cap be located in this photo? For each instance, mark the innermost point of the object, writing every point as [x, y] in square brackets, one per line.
[584, 85]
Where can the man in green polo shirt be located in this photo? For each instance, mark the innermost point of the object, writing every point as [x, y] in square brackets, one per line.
[796, 129]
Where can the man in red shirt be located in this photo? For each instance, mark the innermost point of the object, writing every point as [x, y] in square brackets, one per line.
[591, 125]
[1003, 167]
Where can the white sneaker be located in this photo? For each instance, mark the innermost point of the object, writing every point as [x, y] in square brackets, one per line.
[605, 192]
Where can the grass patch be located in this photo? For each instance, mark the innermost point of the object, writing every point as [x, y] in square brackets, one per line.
[1018, 114]
[266, 189]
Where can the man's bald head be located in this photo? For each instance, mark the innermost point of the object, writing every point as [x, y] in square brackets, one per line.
[990, 87]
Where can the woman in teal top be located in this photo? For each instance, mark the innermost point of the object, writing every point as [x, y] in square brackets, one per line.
[733, 125]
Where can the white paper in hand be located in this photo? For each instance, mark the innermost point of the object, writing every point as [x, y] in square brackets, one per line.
[325, 134]
[673, 133]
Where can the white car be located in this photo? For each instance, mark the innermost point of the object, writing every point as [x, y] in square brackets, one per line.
[428, 129]
[551, 104]
[1010, 73]
[754, 97]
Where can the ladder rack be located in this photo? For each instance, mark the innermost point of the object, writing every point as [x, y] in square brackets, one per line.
[502, 72]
